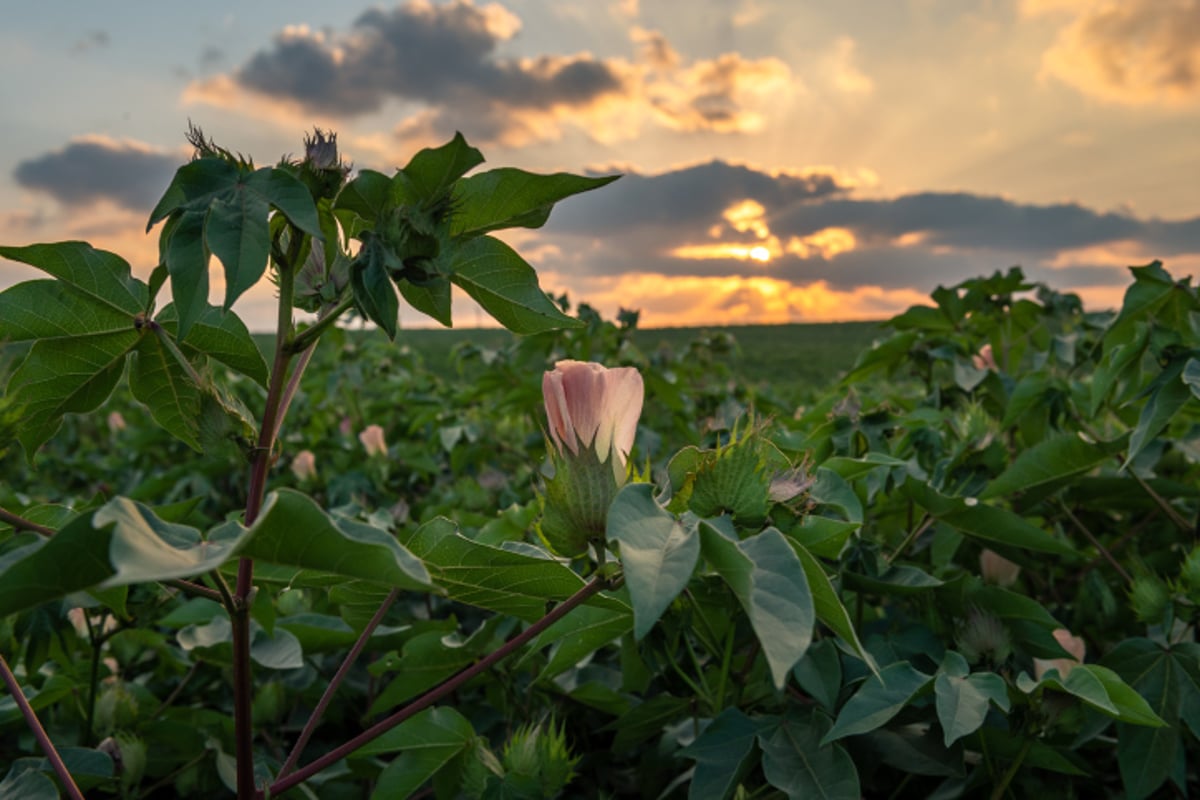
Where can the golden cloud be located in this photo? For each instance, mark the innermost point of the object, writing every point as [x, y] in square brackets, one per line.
[1134, 52]
[749, 216]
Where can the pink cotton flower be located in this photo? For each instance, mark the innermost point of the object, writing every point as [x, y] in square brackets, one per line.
[591, 406]
[304, 465]
[985, 359]
[998, 570]
[593, 414]
[372, 441]
[116, 422]
[1072, 644]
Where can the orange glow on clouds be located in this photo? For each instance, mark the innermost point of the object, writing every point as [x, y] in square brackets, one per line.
[736, 300]
[749, 216]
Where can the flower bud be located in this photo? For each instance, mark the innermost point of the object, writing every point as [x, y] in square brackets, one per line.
[372, 441]
[592, 413]
[304, 465]
[1072, 644]
[116, 422]
[997, 570]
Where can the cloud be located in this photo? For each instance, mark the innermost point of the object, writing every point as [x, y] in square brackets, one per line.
[95, 168]
[718, 221]
[443, 64]
[1133, 52]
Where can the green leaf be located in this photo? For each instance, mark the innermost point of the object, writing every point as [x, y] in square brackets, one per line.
[828, 605]
[237, 233]
[432, 171]
[1120, 361]
[431, 298]
[897, 579]
[161, 383]
[983, 522]
[1054, 459]
[75, 558]
[144, 548]
[429, 741]
[195, 184]
[962, 699]
[498, 279]
[1168, 394]
[83, 325]
[512, 198]
[646, 720]
[372, 287]
[186, 257]
[28, 785]
[366, 195]
[491, 577]
[221, 336]
[1013, 606]
[768, 580]
[820, 673]
[428, 659]
[657, 553]
[722, 755]
[293, 530]
[287, 193]
[880, 698]
[579, 634]
[798, 760]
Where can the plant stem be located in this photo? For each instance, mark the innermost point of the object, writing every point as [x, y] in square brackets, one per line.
[1096, 543]
[1002, 787]
[315, 718]
[926, 521]
[19, 523]
[308, 337]
[441, 690]
[239, 609]
[169, 342]
[88, 733]
[39, 733]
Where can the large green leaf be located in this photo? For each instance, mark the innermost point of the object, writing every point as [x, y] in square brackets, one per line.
[82, 325]
[293, 530]
[372, 286]
[160, 382]
[238, 234]
[768, 580]
[1053, 459]
[962, 699]
[1168, 395]
[432, 171]
[828, 605]
[428, 659]
[878, 700]
[75, 558]
[722, 755]
[223, 337]
[1169, 680]
[498, 279]
[799, 760]
[491, 577]
[986, 523]
[511, 198]
[658, 554]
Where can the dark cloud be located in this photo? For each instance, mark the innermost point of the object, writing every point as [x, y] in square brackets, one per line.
[89, 170]
[917, 240]
[692, 196]
[437, 54]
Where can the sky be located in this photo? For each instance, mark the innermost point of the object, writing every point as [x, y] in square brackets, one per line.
[782, 160]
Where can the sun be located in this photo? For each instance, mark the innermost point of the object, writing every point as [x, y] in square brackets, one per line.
[760, 254]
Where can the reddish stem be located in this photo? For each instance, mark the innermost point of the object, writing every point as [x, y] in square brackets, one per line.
[438, 692]
[39, 733]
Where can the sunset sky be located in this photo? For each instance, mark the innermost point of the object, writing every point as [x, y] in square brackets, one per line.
[784, 161]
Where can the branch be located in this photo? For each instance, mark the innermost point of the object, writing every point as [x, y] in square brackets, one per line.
[19, 523]
[441, 690]
[315, 718]
[39, 733]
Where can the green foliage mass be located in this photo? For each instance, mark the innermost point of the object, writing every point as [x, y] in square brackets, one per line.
[792, 599]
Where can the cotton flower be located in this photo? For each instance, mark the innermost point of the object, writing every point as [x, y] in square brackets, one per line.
[1072, 644]
[304, 465]
[590, 406]
[372, 441]
[592, 413]
[985, 359]
[998, 570]
[116, 422]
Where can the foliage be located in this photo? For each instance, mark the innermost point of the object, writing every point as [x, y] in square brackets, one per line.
[799, 592]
